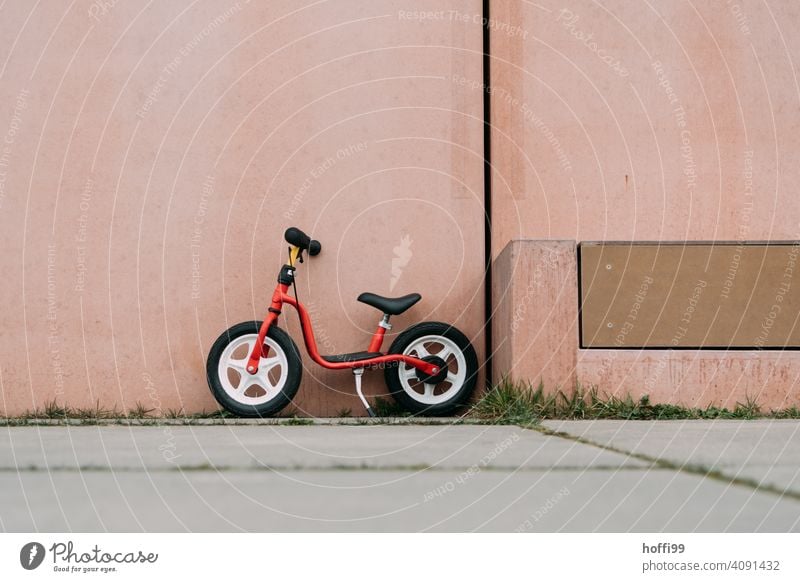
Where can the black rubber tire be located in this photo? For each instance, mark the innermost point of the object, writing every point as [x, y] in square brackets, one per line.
[276, 404]
[392, 373]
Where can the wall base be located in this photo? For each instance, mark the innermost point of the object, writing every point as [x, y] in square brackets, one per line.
[535, 326]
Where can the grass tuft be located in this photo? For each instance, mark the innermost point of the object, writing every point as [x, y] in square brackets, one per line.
[140, 411]
[384, 407]
[793, 412]
[515, 402]
[297, 421]
[508, 402]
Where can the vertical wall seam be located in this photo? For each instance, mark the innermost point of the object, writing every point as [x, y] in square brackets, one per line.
[487, 191]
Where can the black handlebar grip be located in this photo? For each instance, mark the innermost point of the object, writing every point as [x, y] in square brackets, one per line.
[296, 237]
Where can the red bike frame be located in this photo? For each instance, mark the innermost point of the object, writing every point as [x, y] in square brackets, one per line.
[281, 296]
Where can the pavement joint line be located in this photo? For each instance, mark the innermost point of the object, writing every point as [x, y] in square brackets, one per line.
[693, 469]
[653, 462]
[320, 468]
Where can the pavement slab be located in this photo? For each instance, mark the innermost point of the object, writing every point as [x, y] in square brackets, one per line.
[370, 478]
[310, 501]
[764, 451]
[244, 447]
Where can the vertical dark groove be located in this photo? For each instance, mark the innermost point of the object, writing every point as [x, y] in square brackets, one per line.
[487, 191]
[580, 295]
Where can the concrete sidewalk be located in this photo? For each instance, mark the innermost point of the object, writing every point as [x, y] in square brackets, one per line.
[566, 476]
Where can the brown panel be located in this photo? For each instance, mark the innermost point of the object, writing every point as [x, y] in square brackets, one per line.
[690, 295]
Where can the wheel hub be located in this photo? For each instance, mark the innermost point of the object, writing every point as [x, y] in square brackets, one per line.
[440, 376]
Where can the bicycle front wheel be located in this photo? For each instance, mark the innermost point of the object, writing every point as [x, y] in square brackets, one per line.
[264, 393]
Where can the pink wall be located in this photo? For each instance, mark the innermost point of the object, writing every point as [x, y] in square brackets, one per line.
[157, 152]
[152, 155]
[646, 120]
[639, 121]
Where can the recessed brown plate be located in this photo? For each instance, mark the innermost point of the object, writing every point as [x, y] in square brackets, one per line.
[690, 295]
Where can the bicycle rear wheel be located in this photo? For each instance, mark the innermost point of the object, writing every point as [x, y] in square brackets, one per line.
[444, 345]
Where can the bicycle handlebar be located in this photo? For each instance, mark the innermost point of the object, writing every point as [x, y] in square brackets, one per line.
[296, 237]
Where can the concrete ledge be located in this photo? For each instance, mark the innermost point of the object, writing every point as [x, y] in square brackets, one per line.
[535, 321]
[535, 330]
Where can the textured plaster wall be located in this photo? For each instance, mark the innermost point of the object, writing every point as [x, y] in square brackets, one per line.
[646, 120]
[643, 121]
[153, 153]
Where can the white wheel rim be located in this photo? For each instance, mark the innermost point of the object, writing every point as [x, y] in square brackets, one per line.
[448, 350]
[252, 389]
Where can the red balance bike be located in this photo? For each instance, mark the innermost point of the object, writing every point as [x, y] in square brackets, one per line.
[254, 368]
